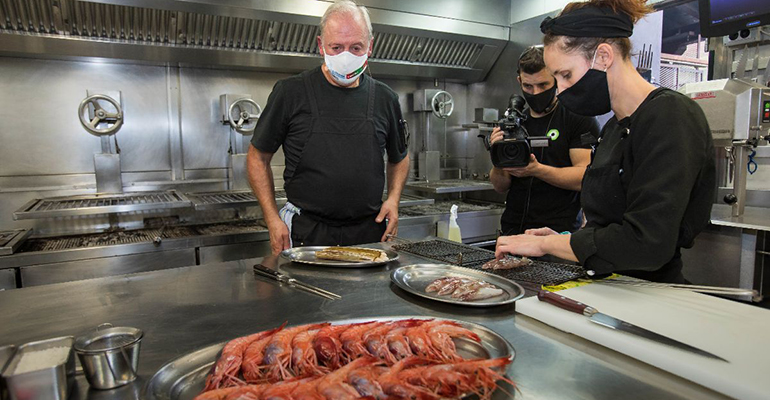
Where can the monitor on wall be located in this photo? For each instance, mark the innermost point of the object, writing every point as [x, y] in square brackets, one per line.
[725, 17]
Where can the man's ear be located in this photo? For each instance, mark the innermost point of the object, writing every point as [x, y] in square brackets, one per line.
[320, 45]
[371, 47]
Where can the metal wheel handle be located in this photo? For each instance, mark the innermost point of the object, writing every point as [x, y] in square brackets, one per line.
[243, 115]
[442, 104]
[100, 115]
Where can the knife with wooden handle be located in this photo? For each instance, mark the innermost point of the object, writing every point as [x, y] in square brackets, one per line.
[605, 320]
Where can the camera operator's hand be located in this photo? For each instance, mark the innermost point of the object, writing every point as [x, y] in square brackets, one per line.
[530, 170]
[497, 135]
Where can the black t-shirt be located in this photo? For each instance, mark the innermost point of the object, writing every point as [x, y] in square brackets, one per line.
[287, 116]
[649, 190]
[533, 203]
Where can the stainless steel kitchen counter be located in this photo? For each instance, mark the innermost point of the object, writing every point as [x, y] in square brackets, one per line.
[753, 217]
[183, 309]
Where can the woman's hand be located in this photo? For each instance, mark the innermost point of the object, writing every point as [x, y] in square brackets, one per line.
[541, 232]
[520, 245]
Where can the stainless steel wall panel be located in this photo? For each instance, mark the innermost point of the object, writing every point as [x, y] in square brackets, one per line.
[7, 279]
[205, 140]
[55, 89]
[108, 266]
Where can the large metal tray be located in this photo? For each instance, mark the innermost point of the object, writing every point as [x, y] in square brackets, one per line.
[415, 278]
[306, 255]
[183, 378]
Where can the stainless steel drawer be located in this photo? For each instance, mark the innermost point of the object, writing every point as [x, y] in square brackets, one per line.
[108, 266]
[231, 252]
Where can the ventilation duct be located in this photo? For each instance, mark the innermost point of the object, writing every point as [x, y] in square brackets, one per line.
[262, 35]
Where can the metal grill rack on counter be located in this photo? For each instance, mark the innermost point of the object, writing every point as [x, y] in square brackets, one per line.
[450, 186]
[100, 204]
[246, 198]
[138, 236]
[540, 272]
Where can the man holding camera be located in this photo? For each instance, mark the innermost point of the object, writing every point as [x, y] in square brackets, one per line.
[545, 192]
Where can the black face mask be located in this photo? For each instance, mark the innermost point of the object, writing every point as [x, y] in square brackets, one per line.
[540, 102]
[590, 96]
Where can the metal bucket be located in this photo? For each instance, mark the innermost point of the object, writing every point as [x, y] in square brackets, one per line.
[109, 355]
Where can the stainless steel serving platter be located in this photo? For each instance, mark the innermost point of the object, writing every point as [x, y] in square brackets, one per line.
[306, 255]
[183, 378]
[415, 278]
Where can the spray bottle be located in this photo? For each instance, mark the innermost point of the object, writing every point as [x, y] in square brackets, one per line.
[454, 229]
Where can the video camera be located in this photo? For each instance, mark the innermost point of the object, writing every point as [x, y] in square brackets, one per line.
[516, 146]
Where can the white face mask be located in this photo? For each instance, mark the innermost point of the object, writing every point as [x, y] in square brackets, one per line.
[346, 67]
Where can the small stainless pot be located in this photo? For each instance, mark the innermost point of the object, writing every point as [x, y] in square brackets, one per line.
[109, 355]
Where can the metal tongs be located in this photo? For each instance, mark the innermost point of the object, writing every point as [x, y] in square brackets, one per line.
[755, 296]
[269, 273]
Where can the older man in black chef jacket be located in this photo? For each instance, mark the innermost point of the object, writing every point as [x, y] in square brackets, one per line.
[334, 124]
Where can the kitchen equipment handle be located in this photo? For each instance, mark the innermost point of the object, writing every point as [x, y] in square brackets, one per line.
[268, 271]
[565, 303]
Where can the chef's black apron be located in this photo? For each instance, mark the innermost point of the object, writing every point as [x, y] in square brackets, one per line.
[603, 198]
[339, 179]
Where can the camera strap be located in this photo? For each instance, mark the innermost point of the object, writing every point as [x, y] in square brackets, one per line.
[532, 178]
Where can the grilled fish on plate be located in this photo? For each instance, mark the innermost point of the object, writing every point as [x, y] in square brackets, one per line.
[351, 254]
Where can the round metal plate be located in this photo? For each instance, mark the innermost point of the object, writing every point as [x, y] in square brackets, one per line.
[183, 378]
[415, 278]
[306, 255]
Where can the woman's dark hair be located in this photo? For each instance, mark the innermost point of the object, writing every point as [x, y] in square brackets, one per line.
[531, 60]
[636, 9]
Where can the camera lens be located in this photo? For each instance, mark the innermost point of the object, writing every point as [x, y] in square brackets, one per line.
[512, 151]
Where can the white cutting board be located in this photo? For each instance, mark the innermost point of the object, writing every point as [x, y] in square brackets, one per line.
[736, 332]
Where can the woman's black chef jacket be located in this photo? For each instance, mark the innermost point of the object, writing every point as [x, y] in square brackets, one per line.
[648, 191]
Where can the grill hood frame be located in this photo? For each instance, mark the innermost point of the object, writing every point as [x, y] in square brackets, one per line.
[265, 35]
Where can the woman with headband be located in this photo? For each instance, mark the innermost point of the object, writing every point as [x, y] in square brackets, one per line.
[650, 186]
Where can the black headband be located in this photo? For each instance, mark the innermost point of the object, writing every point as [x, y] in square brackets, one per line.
[600, 22]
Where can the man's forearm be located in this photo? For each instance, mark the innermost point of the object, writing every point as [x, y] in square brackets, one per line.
[500, 179]
[397, 174]
[569, 178]
[261, 181]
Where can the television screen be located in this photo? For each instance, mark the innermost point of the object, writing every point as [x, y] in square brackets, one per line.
[724, 17]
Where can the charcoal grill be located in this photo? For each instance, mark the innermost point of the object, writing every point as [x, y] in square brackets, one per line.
[540, 272]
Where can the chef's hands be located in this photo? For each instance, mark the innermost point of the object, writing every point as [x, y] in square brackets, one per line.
[279, 235]
[532, 169]
[541, 232]
[389, 212]
[530, 244]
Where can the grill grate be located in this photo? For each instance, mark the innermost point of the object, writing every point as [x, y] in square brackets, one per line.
[540, 272]
[6, 237]
[214, 200]
[443, 207]
[100, 204]
[56, 205]
[107, 239]
[140, 236]
[89, 20]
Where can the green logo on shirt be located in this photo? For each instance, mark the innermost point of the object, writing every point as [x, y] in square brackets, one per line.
[553, 134]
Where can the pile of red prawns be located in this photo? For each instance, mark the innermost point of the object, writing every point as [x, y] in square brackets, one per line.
[410, 358]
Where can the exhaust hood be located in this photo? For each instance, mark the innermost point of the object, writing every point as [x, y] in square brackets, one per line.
[270, 35]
